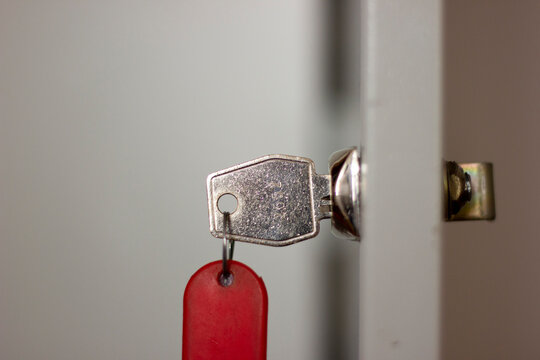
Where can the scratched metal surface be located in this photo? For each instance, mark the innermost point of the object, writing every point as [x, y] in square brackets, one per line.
[279, 199]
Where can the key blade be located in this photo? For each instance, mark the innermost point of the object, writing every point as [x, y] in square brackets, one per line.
[280, 200]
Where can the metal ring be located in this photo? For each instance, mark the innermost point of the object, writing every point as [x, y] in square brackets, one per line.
[228, 245]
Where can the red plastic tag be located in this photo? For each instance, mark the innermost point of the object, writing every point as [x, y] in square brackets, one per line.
[225, 322]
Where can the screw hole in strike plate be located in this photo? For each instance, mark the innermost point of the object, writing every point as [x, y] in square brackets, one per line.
[226, 279]
[227, 203]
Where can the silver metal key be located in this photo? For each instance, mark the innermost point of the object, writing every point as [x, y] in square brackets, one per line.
[281, 199]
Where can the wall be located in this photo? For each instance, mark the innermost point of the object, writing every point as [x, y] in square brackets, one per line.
[491, 274]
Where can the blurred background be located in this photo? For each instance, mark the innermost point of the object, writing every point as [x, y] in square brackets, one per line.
[491, 272]
[112, 114]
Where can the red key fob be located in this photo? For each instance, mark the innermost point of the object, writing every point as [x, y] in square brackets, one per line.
[225, 322]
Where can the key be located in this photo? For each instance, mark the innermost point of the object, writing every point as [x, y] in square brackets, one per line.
[281, 199]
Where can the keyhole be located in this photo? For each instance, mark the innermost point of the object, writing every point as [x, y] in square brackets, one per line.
[227, 203]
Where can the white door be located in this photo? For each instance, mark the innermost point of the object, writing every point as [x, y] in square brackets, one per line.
[112, 114]
[402, 111]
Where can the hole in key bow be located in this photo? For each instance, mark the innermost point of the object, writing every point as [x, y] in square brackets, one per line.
[227, 203]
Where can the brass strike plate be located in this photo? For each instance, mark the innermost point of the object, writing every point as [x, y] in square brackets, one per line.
[468, 191]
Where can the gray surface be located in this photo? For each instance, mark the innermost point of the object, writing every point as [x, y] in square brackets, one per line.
[491, 270]
[112, 114]
[400, 249]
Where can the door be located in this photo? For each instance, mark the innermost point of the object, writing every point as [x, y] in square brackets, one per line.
[402, 111]
[112, 114]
